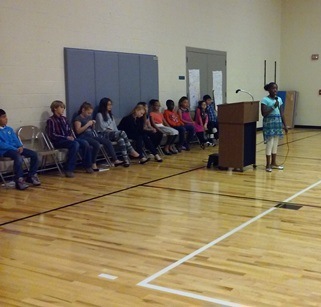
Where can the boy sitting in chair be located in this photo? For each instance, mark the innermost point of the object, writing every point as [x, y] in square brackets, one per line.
[11, 147]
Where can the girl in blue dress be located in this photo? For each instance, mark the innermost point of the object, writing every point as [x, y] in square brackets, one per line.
[273, 122]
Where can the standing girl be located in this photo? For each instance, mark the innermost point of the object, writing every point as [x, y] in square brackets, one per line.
[273, 121]
[107, 127]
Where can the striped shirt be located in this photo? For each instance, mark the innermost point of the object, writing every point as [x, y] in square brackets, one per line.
[58, 128]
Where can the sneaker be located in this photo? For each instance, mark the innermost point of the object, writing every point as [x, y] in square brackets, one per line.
[279, 167]
[69, 174]
[89, 170]
[21, 184]
[208, 144]
[34, 180]
[158, 158]
[268, 169]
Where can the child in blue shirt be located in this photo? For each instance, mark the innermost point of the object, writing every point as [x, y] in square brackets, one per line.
[11, 147]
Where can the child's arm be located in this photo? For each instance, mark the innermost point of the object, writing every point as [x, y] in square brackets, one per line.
[152, 122]
[80, 129]
[198, 118]
[165, 123]
[185, 121]
[12, 143]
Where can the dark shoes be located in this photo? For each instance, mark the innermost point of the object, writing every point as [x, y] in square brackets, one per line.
[89, 170]
[119, 163]
[143, 160]
[69, 174]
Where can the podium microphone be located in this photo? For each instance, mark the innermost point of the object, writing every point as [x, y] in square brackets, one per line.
[239, 90]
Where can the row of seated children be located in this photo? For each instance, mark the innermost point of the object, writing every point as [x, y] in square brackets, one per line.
[136, 125]
[183, 123]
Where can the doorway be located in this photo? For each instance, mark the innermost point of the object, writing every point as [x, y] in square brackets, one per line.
[205, 74]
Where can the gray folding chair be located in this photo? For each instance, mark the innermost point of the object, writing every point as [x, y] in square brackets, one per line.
[34, 139]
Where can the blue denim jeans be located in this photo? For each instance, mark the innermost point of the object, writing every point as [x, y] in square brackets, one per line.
[18, 162]
[75, 146]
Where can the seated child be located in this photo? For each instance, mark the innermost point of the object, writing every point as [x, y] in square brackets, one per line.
[107, 128]
[159, 123]
[11, 147]
[174, 121]
[201, 118]
[212, 126]
[83, 124]
[185, 116]
[133, 125]
[155, 135]
[61, 136]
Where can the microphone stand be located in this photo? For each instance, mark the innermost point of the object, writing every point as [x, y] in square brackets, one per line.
[239, 90]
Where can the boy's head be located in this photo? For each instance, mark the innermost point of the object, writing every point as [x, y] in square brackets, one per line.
[57, 107]
[170, 104]
[207, 99]
[3, 118]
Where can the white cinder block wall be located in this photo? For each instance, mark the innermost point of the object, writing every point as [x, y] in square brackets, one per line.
[301, 37]
[33, 34]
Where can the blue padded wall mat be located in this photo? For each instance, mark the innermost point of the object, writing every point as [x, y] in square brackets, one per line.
[125, 78]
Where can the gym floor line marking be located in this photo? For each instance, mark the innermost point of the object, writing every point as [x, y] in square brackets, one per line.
[107, 276]
[146, 282]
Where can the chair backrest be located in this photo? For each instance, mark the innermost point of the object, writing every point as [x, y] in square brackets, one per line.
[32, 138]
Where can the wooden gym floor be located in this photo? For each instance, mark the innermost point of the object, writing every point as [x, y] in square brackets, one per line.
[169, 234]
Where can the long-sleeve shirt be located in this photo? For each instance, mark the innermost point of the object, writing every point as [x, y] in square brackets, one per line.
[210, 110]
[58, 128]
[172, 118]
[132, 126]
[105, 125]
[8, 140]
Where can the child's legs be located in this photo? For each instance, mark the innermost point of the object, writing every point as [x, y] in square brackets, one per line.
[275, 144]
[86, 152]
[95, 144]
[139, 145]
[181, 132]
[149, 144]
[108, 146]
[274, 149]
[200, 136]
[156, 137]
[17, 162]
[73, 148]
[190, 132]
[128, 147]
[268, 150]
[33, 161]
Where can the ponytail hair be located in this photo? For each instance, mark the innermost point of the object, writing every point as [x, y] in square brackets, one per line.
[85, 105]
[268, 86]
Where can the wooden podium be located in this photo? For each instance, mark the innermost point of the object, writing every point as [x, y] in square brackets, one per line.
[237, 126]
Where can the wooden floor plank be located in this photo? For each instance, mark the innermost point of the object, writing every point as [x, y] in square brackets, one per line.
[132, 223]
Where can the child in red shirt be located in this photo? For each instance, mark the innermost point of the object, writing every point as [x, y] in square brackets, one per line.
[174, 121]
